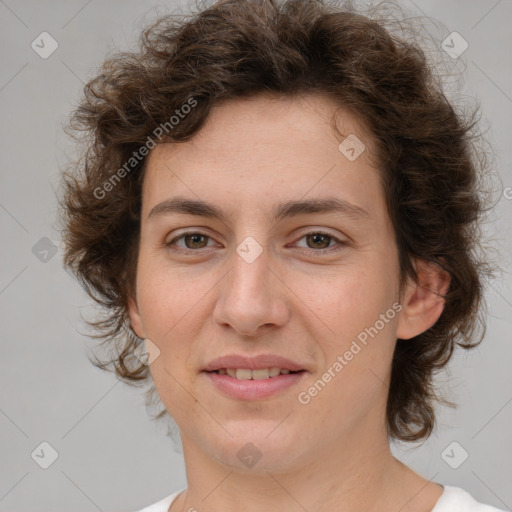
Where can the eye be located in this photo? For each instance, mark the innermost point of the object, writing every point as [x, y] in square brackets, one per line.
[192, 239]
[320, 241]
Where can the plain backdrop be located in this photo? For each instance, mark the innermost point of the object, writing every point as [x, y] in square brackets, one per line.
[111, 457]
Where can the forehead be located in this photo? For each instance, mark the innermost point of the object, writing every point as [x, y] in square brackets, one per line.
[264, 147]
[278, 121]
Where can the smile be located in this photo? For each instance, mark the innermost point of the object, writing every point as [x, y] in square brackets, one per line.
[245, 384]
[260, 374]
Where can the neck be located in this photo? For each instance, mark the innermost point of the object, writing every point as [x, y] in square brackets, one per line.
[355, 475]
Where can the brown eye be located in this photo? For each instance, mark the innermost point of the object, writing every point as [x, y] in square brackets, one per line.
[192, 241]
[195, 241]
[319, 240]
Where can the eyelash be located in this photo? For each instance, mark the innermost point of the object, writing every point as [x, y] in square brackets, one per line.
[340, 243]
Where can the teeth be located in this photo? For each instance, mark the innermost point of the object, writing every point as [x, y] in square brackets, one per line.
[261, 374]
[243, 374]
[246, 374]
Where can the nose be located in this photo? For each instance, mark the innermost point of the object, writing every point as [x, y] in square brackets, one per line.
[252, 296]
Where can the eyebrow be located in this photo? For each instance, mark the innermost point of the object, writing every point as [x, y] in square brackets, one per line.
[180, 205]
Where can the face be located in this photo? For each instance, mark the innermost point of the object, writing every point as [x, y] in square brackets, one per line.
[314, 290]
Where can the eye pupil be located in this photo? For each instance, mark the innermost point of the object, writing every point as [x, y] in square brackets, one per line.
[318, 236]
[195, 240]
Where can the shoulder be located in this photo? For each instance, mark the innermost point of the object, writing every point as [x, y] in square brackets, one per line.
[162, 505]
[455, 499]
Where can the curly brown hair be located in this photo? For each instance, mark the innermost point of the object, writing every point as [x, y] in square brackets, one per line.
[238, 48]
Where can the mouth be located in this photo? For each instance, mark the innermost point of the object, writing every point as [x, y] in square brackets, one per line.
[254, 377]
[243, 384]
[257, 374]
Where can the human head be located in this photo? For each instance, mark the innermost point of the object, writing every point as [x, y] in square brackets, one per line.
[236, 50]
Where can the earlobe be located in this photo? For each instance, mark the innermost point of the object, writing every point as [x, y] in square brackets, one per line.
[135, 319]
[423, 302]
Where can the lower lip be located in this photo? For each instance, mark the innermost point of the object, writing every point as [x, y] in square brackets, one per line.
[253, 389]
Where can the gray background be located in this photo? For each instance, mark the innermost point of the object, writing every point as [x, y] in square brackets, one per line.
[111, 457]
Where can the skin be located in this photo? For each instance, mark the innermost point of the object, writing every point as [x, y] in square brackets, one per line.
[333, 453]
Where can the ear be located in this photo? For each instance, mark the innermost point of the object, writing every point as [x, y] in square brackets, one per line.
[423, 302]
[135, 319]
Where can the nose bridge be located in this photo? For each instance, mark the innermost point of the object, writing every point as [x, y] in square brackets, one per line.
[249, 275]
[251, 296]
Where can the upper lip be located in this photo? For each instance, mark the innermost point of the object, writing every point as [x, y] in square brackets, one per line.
[253, 362]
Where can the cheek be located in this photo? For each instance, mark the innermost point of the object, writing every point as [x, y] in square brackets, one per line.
[352, 300]
[169, 312]
[358, 353]
[166, 298]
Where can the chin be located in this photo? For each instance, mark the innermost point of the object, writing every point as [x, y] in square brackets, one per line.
[257, 448]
